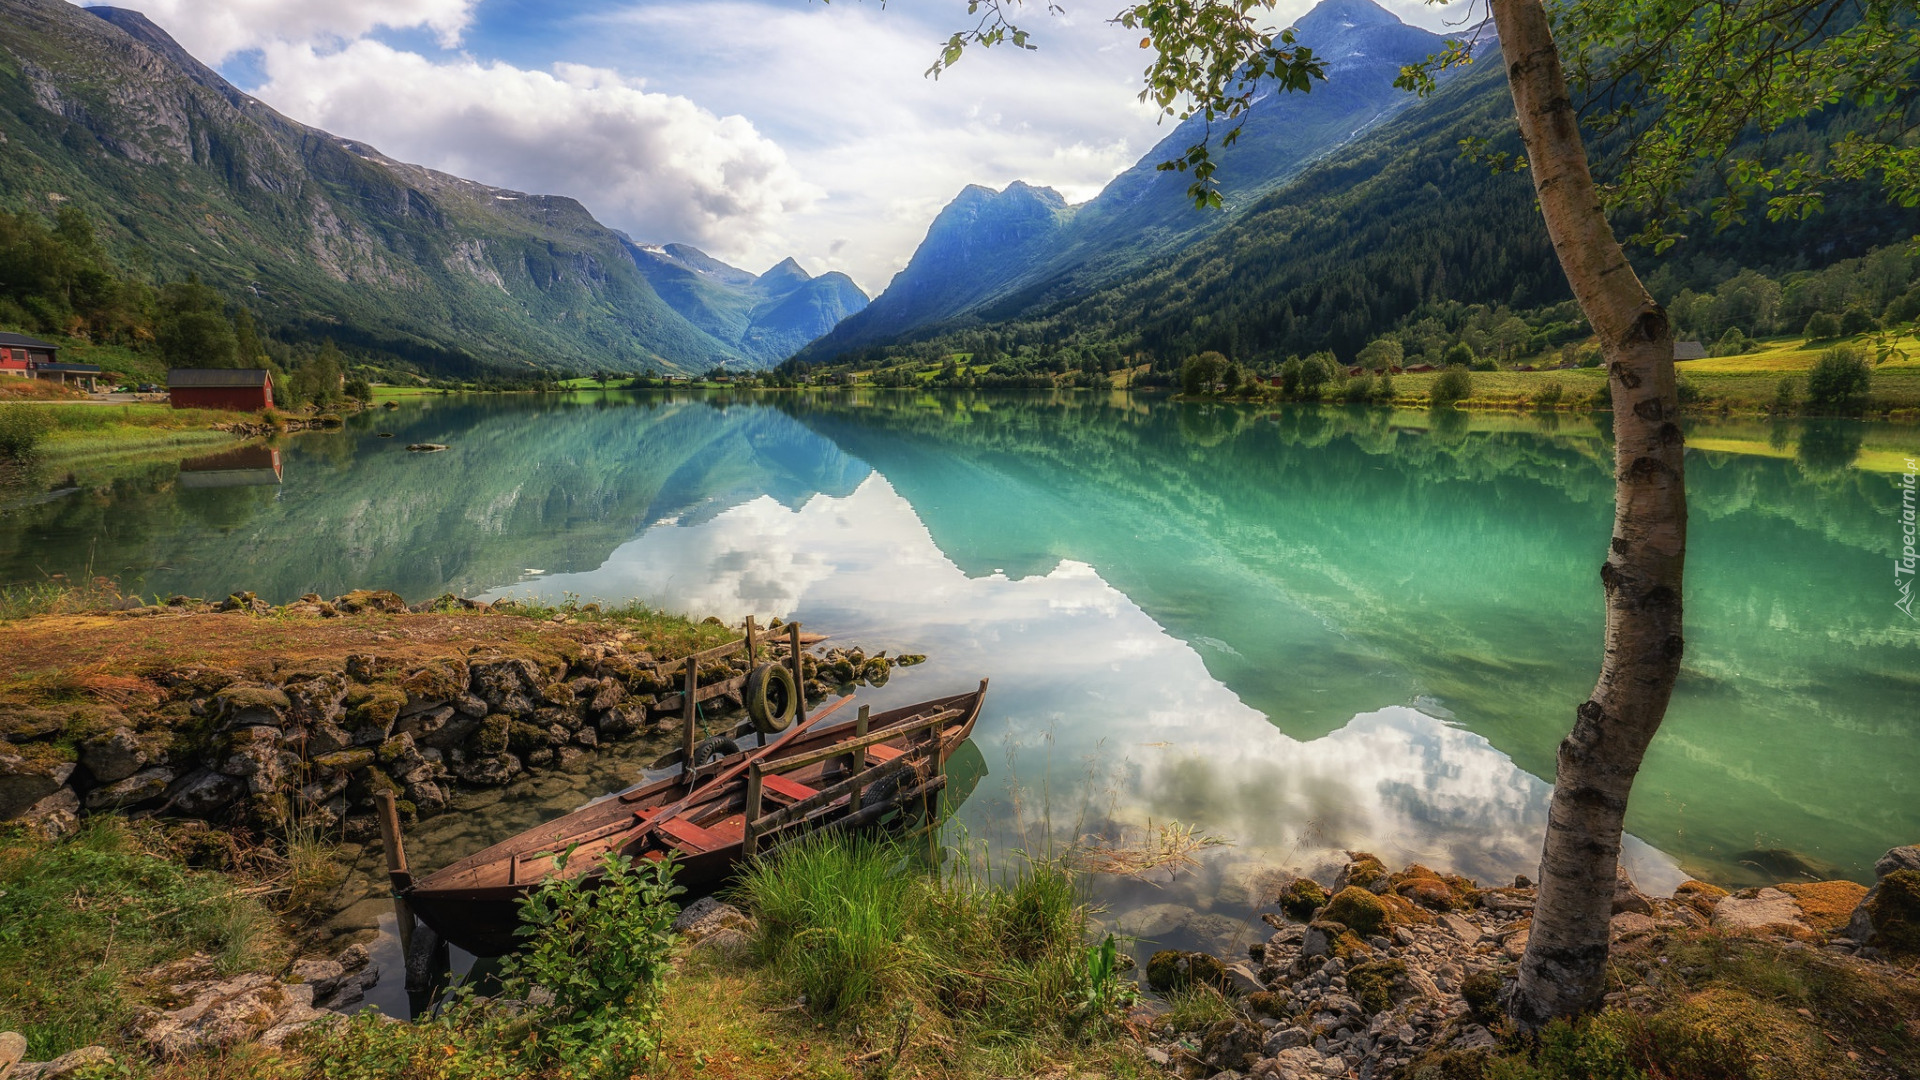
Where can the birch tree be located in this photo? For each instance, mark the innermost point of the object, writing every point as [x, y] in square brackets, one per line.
[1686, 95]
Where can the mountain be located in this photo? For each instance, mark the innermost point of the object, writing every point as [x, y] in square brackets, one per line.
[184, 173]
[1033, 249]
[766, 318]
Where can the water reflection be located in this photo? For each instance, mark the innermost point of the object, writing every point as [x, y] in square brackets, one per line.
[1303, 629]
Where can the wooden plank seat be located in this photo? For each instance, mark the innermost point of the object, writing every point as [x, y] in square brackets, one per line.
[694, 839]
[881, 753]
[785, 788]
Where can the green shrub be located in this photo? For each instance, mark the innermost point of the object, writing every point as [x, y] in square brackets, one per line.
[1359, 389]
[1841, 375]
[1685, 390]
[1548, 396]
[1785, 394]
[22, 427]
[601, 948]
[1452, 385]
[1822, 326]
[1383, 387]
[1857, 321]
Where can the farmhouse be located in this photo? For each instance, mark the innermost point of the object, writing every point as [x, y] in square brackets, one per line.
[241, 389]
[20, 354]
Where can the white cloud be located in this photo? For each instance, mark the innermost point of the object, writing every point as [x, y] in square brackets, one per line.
[655, 164]
[213, 31]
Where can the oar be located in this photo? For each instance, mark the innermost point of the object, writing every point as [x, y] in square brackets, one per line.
[648, 822]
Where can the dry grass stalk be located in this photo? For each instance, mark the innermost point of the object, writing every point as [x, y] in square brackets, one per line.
[1168, 846]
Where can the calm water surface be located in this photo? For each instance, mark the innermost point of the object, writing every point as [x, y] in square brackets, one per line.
[1301, 630]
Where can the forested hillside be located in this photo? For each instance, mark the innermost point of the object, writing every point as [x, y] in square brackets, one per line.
[323, 238]
[1400, 235]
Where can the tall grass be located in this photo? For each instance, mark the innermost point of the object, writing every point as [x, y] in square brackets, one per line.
[21, 429]
[865, 931]
[81, 917]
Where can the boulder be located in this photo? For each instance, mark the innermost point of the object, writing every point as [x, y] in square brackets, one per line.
[142, 787]
[1358, 909]
[1175, 969]
[1626, 897]
[1861, 926]
[114, 756]
[317, 698]
[25, 781]
[1765, 909]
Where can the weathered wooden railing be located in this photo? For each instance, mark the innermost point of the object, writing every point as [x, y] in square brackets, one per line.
[687, 701]
[923, 730]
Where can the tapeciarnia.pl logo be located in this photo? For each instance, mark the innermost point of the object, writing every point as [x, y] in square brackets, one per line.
[1903, 566]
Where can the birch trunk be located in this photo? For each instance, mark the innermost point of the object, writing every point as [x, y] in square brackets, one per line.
[1563, 972]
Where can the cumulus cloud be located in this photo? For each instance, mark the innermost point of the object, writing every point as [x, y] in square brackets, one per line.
[656, 165]
[213, 30]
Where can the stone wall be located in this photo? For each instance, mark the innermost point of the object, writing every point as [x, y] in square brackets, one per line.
[316, 741]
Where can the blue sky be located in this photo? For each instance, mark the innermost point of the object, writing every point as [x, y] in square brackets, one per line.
[755, 129]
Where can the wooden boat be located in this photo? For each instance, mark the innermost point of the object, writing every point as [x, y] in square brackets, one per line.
[850, 773]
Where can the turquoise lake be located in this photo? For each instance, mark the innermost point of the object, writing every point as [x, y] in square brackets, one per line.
[1300, 630]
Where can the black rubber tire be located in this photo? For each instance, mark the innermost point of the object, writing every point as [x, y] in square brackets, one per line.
[711, 750]
[886, 790]
[771, 698]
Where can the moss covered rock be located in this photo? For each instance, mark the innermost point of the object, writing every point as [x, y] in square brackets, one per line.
[1895, 911]
[1371, 983]
[1362, 871]
[1358, 909]
[1481, 990]
[491, 736]
[1301, 898]
[1699, 896]
[1177, 969]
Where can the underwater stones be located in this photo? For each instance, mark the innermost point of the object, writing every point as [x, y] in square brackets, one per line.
[489, 769]
[114, 756]
[1174, 969]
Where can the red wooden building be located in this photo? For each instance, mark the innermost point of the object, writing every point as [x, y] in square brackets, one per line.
[20, 354]
[242, 389]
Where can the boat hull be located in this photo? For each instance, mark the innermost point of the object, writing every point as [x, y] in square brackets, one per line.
[474, 903]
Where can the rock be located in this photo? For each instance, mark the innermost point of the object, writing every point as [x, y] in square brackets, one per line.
[1174, 969]
[1699, 896]
[364, 915]
[1358, 909]
[727, 944]
[1241, 979]
[1286, 1038]
[360, 601]
[1766, 908]
[1474, 1038]
[425, 722]
[1301, 898]
[1629, 924]
[707, 916]
[1319, 938]
[114, 756]
[1860, 927]
[204, 792]
[24, 782]
[55, 816]
[322, 975]
[1626, 897]
[13, 1047]
[242, 706]
[1159, 1057]
[316, 698]
[66, 1065]
[1462, 928]
[1362, 871]
[142, 787]
[1299, 1061]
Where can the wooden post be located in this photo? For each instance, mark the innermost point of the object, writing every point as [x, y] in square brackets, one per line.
[397, 873]
[799, 673]
[749, 840]
[753, 651]
[859, 764]
[686, 725]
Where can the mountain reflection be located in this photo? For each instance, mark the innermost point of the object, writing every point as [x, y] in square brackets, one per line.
[1305, 629]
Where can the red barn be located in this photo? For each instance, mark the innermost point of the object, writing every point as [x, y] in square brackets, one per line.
[241, 389]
